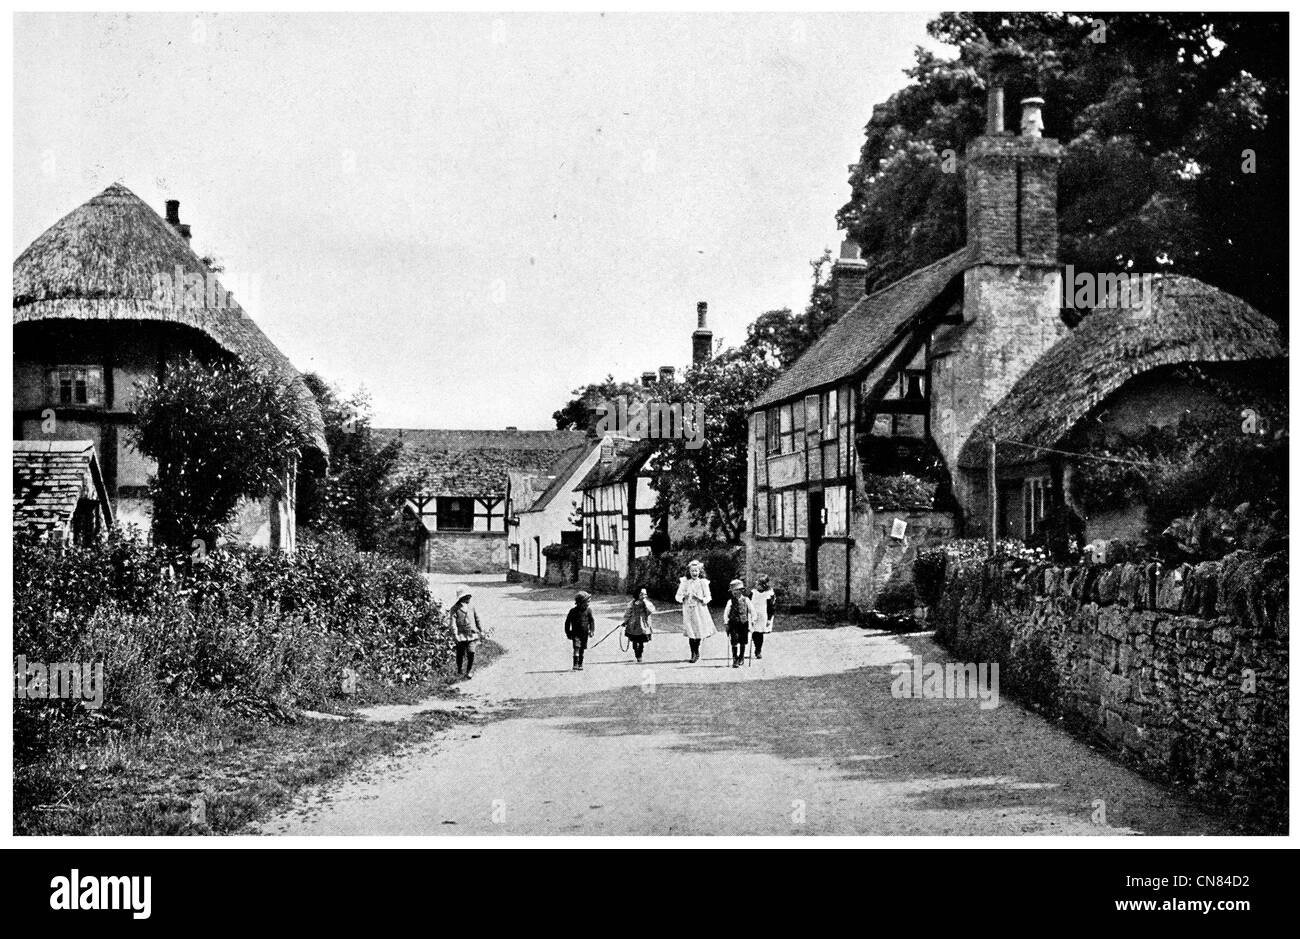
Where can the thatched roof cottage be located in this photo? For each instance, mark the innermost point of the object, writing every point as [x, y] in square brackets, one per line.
[90, 320]
[875, 442]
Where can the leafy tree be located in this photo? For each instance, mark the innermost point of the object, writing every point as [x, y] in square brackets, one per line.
[779, 337]
[578, 413]
[218, 433]
[1175, 127]
[359, 496]
[708, 482]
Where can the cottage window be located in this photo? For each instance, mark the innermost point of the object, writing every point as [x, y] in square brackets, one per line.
[835, 497]
[73, 385]
[455, 514]
[774, 514]
[1035, 495]
[830, 415]
[812, 412]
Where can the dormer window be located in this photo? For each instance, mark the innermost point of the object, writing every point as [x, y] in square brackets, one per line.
[75, 386]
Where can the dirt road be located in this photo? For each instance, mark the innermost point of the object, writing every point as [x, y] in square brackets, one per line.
[807, 741]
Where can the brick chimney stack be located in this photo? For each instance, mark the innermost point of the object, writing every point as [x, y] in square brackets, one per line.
[174, 219]
[848, 277]
[702, 338]
[1011, 189]
[667, 373]
[647, 378]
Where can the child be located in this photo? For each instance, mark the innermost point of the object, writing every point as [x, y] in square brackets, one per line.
[738, 616]
[579, 626]
[636, 622]
[764, 601]
[694, 596]
[466, 630]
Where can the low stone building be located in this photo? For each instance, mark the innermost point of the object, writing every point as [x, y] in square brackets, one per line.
[463, 477]
[112, 294]
[1188, 352]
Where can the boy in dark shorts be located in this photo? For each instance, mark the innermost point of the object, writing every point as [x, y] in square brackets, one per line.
[737, 617]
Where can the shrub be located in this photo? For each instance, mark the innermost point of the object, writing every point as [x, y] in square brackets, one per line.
[244, 625]
[660, 575]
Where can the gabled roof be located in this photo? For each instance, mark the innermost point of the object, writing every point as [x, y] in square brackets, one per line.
[561, 475]
[1184, 321]
[101, 262]
[867, 329]
[50, 478]
[626, 460]
[475, 463]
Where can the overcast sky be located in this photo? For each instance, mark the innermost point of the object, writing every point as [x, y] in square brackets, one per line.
[468, 215]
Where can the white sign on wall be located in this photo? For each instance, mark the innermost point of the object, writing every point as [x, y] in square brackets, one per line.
[899, 530]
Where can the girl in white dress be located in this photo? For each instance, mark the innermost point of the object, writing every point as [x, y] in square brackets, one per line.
[763, 602]
[693, 594]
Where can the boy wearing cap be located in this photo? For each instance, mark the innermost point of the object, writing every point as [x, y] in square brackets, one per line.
[738, 616]
[579, 626]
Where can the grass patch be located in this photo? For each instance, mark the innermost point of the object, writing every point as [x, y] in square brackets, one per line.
[212, 771]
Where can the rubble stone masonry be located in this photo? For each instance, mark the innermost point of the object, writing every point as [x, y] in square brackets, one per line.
[1182, 673]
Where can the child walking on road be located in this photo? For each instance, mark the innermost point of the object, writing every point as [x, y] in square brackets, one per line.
[764, 601]
[579, 626]
[738, 616]
[636, 622]
[466, 630]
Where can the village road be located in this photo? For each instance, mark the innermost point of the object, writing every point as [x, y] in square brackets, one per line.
[808, 741]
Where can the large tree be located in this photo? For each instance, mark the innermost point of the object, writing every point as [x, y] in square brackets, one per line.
[1175, 128]
[361, 491]
[706, 479]
[218, 433]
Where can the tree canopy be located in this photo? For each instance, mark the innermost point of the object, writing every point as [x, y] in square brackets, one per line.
[1175, 131]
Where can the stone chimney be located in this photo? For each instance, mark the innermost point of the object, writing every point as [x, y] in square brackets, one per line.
[848, 277]
[1011, 188]
[1011, 293]
[702, 338]
[174, 219]
[667, 373]
[648, 378]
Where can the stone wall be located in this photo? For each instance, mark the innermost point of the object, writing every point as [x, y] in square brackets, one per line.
[469, 552]
[1182, 672]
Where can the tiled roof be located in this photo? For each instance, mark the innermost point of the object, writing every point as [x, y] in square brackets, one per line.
[475, 463]
[50, 478]
[626, 461]
[866, 329]
[561, 473]
[1185, 321]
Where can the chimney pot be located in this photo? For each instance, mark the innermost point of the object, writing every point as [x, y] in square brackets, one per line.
[995, 111]
[647, 378]
[1031, 117]
[850, 250]
[702, 314]
[667, 372]
[174, 211]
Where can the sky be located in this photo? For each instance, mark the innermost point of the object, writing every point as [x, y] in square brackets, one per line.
[468, 215]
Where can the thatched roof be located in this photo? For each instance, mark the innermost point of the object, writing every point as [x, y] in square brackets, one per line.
[1184, 321]
[50, 478]
[100, 262]
[475, 463]
[866, 330]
